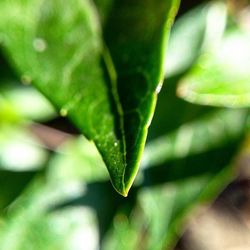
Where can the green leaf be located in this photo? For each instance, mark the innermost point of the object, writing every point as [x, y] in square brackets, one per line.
[77, 159]
[211, 131]
[22, 98]
[180, 170]
[165, 120]
[193, 164]
[20, 150]
[164, 205]
[39, 227]
[186, 40]
[138, 53]
[16, 103]
[17, 99]
[44, 215]
[59, 48]
[221, 76]
[63, 205]
[166, 220]
[12, 185]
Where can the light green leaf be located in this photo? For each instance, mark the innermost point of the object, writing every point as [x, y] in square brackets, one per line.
[40, 227]
[40, 218]
[211, 131]
[186, 40]
[59, 48]
[221, 76]
[20, 150]
[28, 103]
[77, 159]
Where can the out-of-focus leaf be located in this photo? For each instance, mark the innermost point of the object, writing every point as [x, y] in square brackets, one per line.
[77, 159]
[60, 210]
[165, 120]
[39, 227]
[20, 101]
[207, 35]
[208, 132]
[221, 76]
[12, 184]
[126, 233]
[58, 47]
[8, 114]
[28, 103]
[19, 150]
[104, 7]
[189, 28]
[165, 207]
[191, 33]
[40, 223]
[6, 72]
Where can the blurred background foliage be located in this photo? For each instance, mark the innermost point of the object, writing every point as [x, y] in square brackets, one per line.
[55, 192]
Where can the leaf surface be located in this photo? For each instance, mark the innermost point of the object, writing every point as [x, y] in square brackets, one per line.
[136, 34]
[59, 49]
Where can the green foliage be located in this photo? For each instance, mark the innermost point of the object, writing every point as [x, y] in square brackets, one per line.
[221, 75]
[112, 108]
[101, 64]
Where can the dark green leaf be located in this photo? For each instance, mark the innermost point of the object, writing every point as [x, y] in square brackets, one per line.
[12, 184]
[136, 33]
[165, 120]
[208, 132]
[58, 47]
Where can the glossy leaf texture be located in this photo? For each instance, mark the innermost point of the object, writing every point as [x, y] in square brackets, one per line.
[59, 48]
[221, 77]
[136, 34]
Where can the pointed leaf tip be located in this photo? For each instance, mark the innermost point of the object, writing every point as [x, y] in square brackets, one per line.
[64, 62]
